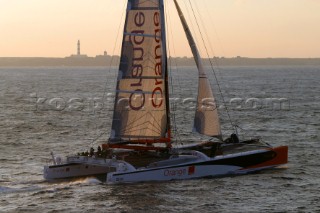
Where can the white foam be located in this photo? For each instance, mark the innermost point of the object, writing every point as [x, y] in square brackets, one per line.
[89, 180]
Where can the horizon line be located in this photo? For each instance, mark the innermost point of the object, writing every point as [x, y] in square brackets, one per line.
[220, 57]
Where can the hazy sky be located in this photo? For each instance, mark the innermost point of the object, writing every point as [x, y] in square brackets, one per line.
[252, 28]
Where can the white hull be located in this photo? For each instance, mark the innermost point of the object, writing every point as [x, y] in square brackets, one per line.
[198, 167]
[73, 171]
[172, 173]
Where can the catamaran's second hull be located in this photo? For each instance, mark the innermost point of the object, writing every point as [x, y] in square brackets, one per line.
[203, 166]
[66, 171]
[80, 166]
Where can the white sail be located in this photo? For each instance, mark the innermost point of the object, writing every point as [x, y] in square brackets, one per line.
[141, 104]
[206, 120]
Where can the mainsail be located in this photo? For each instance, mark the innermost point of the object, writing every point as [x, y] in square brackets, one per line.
[206, 120]
[141, 112]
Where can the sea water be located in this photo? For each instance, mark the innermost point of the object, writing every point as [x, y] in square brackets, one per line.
[68, 110]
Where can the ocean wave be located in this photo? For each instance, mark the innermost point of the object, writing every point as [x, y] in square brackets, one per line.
[4, 189]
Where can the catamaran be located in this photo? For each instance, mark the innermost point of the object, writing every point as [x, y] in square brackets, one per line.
[140, 142]
[142, 115]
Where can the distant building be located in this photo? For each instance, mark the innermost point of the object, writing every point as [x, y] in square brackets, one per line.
[105, 55]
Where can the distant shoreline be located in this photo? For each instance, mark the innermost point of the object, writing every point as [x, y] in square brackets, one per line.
[105, 61]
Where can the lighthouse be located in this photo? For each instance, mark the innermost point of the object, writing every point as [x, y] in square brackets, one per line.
[78, 55]
[78, 52]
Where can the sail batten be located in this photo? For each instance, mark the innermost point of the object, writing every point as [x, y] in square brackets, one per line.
[206, 120]
[141, 100]
[138, 92]
[142, 35]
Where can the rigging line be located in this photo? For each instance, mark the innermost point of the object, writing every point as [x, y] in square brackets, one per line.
[209, 41]
[139, 127]
[203, 27]
[193, 30]
[143, 123]
[170, 62]
[211, 64]
[143, 132]
[141, 136]
[96, 138]
[207, 37]
[124, 49]
[177, 76]
[245, 132]
[168, 21]
[134, 120]
[159, 124]
[192, 25]
[133, 123]
[110, 65]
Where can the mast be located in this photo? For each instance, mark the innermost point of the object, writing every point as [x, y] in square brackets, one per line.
[141, 110]
[206, 119]
[165, 65]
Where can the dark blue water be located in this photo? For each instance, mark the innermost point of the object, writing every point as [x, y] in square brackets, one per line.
[62, 110]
